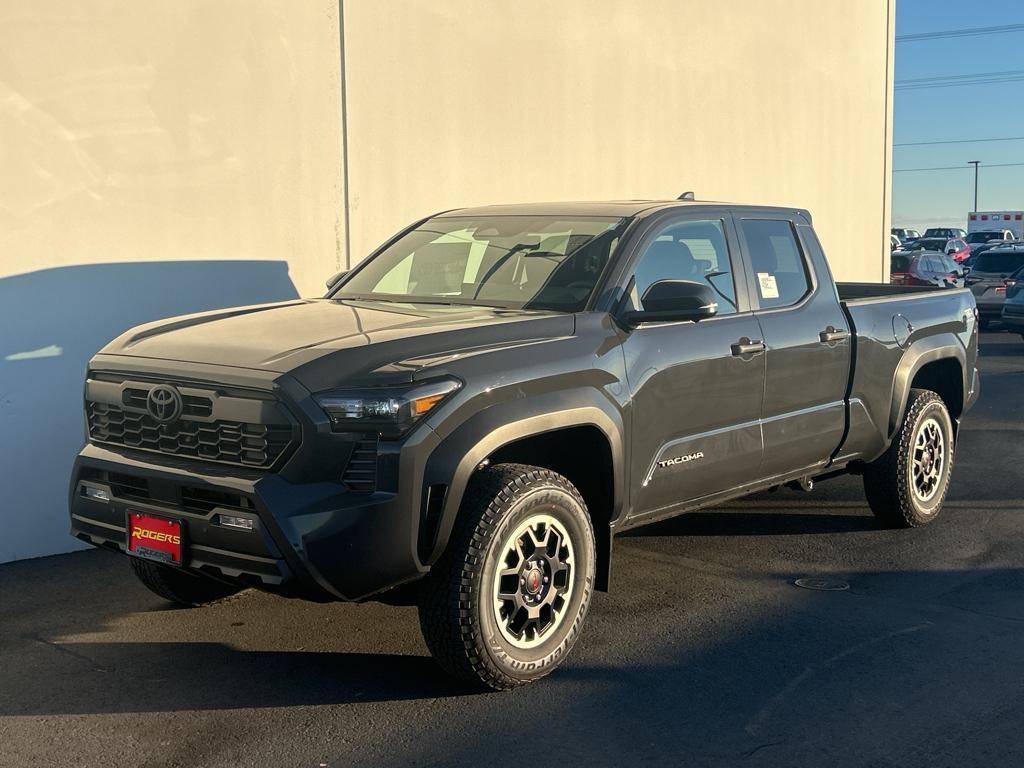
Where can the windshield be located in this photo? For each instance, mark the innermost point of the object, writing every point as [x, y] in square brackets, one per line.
[514, 262]
[933, 244]
[983, 237]
[1000, 261]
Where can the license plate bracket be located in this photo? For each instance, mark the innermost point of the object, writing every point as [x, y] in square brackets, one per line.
[155, 538]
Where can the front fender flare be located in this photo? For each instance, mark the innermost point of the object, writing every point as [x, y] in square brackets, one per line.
[458, 455]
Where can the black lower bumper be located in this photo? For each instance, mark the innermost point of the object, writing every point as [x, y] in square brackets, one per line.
[318, 541]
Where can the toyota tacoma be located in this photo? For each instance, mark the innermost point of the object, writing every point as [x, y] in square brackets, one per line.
[470, 415]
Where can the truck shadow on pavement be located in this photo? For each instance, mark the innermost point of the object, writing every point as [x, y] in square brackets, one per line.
[173, 677]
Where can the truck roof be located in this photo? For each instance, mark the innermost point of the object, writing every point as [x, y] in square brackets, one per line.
[595, 208]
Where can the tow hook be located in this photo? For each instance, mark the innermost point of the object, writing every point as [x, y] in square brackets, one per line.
[805, 484]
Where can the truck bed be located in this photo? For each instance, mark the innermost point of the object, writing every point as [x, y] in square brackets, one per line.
[886, 321]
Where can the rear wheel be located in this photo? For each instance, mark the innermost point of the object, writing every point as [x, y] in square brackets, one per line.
[906, 485]
[506, 602]
[179, 586]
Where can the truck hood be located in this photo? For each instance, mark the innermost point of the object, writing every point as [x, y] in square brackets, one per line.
[350, 337]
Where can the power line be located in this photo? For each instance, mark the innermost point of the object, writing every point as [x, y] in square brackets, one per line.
[965, 76]
[974, 32]
[957, 141]
[956, 167]
[953, 81]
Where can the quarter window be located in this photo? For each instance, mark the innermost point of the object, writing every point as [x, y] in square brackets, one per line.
[693, 250]
[780, 273]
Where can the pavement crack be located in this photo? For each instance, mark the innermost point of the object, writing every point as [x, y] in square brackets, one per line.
[759, 747]
[772, 704]
[96, 666]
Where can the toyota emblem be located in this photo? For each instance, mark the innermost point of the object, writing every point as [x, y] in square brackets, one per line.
[164, 403]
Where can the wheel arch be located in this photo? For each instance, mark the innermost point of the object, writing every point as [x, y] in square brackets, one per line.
[938, 363]
[582, 441]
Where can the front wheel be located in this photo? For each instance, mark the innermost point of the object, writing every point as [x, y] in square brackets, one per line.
[506, 602]
[906, 485]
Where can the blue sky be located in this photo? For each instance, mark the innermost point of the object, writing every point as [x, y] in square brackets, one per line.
[978, 111]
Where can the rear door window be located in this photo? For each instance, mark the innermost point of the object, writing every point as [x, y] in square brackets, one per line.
[780, 276]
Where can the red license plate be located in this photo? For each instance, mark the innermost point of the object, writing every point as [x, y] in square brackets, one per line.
[154, 538]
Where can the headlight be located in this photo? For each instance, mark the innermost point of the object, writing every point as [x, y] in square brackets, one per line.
[390, 411]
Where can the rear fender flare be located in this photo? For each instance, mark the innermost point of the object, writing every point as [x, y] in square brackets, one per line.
[939, 347]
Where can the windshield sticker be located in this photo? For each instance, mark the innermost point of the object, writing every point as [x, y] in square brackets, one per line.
[766, 281]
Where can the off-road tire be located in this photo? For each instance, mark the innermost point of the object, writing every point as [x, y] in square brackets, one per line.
[456, 607]
[889, 481]
[179, 586]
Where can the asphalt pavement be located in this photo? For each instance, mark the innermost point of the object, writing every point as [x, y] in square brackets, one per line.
[705, 653]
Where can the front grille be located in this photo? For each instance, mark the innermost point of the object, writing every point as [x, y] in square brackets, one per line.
[192, 405]
[361, 472]
[1013, 309]
[231, 442]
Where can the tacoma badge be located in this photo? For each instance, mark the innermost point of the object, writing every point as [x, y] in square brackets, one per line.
[681, 459]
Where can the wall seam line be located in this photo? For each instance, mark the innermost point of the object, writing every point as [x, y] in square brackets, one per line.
[346, 217]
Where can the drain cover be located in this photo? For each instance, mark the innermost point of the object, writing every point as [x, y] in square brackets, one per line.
[822, 585]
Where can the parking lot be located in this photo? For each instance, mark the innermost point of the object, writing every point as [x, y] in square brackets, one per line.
[705, 652]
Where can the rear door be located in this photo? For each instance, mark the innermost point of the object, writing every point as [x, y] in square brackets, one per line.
[808, 341]
[696, 388]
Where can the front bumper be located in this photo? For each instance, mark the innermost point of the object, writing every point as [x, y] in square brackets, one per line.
[317, 540]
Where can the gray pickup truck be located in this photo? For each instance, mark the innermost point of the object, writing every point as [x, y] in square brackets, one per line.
[470, 415]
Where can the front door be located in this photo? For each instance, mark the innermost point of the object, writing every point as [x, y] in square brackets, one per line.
[696, 387]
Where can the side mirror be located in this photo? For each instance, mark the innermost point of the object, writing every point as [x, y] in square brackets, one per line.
[334, 279]
[673, 301]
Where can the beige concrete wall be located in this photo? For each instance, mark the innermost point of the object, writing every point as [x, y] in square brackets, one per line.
[136, 130]
[158, 158]
[763, 101]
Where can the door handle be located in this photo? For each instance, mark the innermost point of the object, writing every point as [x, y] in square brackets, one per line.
[831, 335]
[747, 347]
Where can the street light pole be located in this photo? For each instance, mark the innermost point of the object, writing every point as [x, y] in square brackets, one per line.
[975, 163]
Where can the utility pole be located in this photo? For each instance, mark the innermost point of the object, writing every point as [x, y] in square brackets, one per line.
[975, 163]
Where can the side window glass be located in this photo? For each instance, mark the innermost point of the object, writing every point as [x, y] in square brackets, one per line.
[780, 273]
[688, 250]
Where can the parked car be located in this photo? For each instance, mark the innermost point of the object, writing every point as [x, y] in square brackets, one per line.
[980, 249]
[470, 415]
[987, 279]
[894, 243]
[1013, 307]
[925, 268]
[947, 232]
[953, 247]
[977, 239]
[905, 234]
